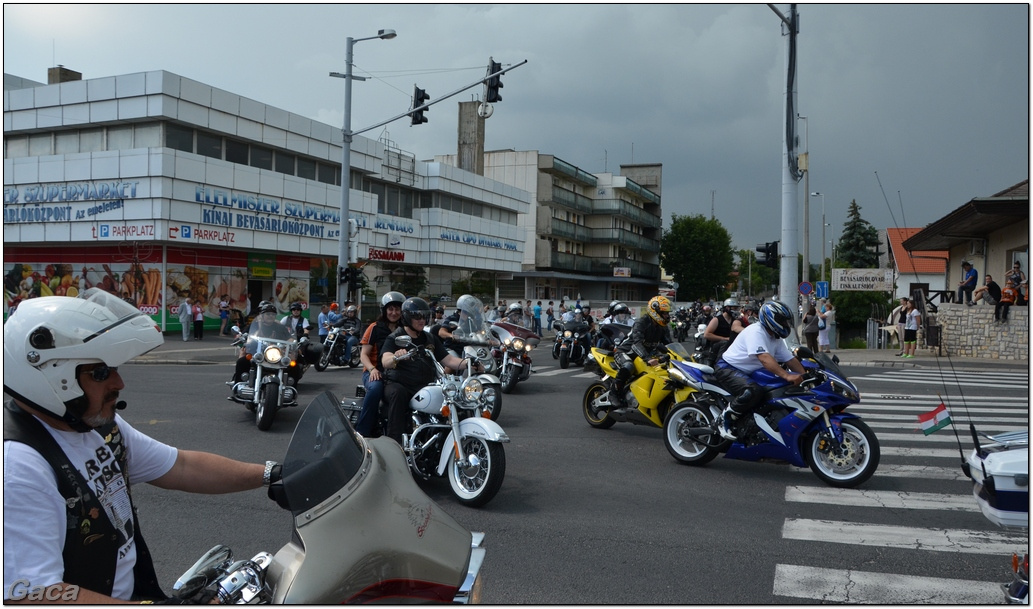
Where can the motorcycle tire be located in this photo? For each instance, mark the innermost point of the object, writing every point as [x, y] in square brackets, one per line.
[266, 409]
[476, 486]
[509, 380]
[597, 417]
[689, 434]
[555, 354]
[355, 361]
[324, 361]
[564, 359]
[855, 461]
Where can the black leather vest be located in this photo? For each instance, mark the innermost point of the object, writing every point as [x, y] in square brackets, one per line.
[91, 542]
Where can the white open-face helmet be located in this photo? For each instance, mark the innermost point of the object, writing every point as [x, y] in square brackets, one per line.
[50, 336]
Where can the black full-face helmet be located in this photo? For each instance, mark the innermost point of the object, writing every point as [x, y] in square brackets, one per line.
[413, 309]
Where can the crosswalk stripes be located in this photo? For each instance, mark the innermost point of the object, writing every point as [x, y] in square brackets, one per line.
[1015, 380]
[894, 417]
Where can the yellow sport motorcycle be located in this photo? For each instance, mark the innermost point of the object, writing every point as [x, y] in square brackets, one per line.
[650, 392]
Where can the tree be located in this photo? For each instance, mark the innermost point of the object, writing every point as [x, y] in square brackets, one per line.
[478, 283]
[408, 279]
[697, 252]
[858, 248]
[859, 245]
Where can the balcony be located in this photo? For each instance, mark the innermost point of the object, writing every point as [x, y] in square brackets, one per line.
[625, 237]
[550, 164]
[616, 207]
[566, 198]
[547, 226]
[561, 261]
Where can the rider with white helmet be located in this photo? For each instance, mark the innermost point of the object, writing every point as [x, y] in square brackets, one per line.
[61, 367]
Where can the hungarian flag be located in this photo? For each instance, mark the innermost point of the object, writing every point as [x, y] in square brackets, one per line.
[934, 420]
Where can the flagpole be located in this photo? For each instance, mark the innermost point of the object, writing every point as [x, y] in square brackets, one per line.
[954, 428]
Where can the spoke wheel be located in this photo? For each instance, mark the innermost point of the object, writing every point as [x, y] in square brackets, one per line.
[477, 483]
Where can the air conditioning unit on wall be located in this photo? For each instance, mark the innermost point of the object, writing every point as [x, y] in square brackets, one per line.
[977, 247]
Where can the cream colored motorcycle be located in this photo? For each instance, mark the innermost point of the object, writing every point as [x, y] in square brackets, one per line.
[363, 531]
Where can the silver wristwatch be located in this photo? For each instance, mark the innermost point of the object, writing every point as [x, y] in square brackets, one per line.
[267, 474]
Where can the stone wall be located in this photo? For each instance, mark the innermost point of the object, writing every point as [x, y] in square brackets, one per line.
[971, 332]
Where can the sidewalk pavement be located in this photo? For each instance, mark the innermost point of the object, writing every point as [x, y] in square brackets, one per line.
[217, 350]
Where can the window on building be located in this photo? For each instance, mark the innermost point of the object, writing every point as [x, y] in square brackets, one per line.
[306, 168]
[236, 152]
[284, 162]
[328, 174]
[261, 157]
[120, 137]
[91, 140]
[147, 136]
[41, 144]
[179, 137]
[16, 147]
[66, 142]
[209, 145]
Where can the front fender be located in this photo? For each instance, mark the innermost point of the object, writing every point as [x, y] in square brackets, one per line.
[488, 379]
[474, 426]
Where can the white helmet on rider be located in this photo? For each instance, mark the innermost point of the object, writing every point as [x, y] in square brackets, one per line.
[515, 309]
[51, 336]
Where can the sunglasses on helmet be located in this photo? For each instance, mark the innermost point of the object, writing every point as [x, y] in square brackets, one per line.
[101, 372]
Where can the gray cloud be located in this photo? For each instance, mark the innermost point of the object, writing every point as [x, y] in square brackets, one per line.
[933, 97]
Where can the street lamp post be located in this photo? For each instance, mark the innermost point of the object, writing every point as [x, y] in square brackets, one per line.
[823, 225]
[346, 151]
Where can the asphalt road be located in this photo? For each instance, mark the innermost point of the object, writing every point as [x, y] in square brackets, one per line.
[608, 517]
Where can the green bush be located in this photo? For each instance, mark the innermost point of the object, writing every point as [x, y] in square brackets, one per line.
[854, 343]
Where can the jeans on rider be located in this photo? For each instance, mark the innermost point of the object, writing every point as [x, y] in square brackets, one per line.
[366, 425]
[352, 341]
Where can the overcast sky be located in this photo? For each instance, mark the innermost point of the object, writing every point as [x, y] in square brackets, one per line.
[933, 98]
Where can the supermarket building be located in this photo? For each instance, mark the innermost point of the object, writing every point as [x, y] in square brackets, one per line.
[159, 188]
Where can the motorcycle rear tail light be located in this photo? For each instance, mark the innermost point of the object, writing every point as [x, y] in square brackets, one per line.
[1017, 564]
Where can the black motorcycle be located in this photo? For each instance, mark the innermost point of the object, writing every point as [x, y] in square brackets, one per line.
[572, 344]
[335, 346]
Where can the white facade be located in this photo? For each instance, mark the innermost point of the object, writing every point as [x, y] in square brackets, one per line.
[92, 163]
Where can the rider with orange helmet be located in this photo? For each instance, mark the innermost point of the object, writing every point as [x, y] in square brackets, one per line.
[648, 339]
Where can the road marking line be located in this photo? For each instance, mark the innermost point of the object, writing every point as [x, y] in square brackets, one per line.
[911, 538]
[923, 472]
[868, 588]
[887, 499]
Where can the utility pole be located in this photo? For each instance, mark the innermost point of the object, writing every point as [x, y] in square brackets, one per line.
[788, 272]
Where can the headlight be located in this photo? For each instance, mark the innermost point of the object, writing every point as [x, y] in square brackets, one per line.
[450, 390]
[528, 347]
[273, 354]
[488, 394]
[567, 334]
[846, 391]
[472, 390]
[518, 344]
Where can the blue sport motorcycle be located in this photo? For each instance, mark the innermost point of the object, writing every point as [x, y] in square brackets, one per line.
[805, 425]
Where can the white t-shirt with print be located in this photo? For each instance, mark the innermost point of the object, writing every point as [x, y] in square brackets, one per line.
[34, 511]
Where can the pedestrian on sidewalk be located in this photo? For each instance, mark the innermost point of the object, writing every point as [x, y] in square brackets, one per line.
[198, 314]
[186, 318]
[911, 330]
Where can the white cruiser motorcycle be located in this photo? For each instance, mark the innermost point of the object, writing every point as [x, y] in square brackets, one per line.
[276, 366]
[453, 434]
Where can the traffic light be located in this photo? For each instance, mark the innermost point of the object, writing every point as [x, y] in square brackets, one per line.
[354, 279]
[343, 275]
[770, 251]
[494, 83]
[419, 97]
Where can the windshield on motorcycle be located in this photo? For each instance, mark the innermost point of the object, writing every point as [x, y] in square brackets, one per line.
[266, 326]
[471, 327]
[678, 349]
[324, 454]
